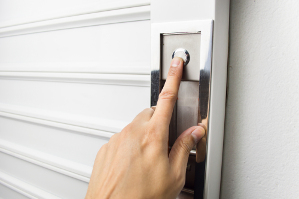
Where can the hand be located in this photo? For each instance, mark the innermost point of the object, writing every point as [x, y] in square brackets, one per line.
[135, 163]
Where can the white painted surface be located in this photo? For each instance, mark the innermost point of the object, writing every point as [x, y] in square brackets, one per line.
[92, 19]
[10, 193]
[261, 147]
[14, 12]
[68, 82]
[91, 48]
[22, 189]
[174, 10]
[60, 100]
[41, 177]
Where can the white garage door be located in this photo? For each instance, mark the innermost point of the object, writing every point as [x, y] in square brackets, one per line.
[72, 73]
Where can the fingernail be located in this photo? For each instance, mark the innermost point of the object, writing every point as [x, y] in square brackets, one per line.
[197, 134]
[176, 62]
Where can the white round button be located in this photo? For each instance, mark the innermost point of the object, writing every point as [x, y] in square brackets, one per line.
[182, 53]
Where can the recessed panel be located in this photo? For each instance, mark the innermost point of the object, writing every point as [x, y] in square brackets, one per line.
[190, 42]
[187, 106]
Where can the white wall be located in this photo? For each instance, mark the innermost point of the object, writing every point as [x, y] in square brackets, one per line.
[261, 146]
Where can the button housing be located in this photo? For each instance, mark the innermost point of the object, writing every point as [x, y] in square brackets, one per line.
[190, 42]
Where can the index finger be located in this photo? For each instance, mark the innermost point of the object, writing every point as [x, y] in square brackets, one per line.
[169, 93]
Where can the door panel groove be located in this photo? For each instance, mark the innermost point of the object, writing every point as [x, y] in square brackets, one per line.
[103, 67]
[24, 188]
[110, 79]
[87, 20]
[75, 11]
[59, 165]
[51, 179]
[78, 129]
[101, 124]
[42, 158]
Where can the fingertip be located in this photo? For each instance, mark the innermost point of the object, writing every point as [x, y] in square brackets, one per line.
[177, 61]
[198, 133]
[203, 126]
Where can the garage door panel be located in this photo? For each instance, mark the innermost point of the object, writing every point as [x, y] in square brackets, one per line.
[45, 179]
[93, 105]
[70, 145]
[6, 192]
[117, 48]
[70, 78]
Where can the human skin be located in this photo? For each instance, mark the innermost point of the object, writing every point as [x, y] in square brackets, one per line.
[136, 163]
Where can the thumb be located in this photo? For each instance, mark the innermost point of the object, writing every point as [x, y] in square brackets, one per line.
[179, 154]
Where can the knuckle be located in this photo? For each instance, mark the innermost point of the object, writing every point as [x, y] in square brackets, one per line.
[149, 110]
[114, 137]
[151, 139]
[104, 146]
[146, 110]
[147, 139]
[127, 129]
[168, 95]
[102, 150]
